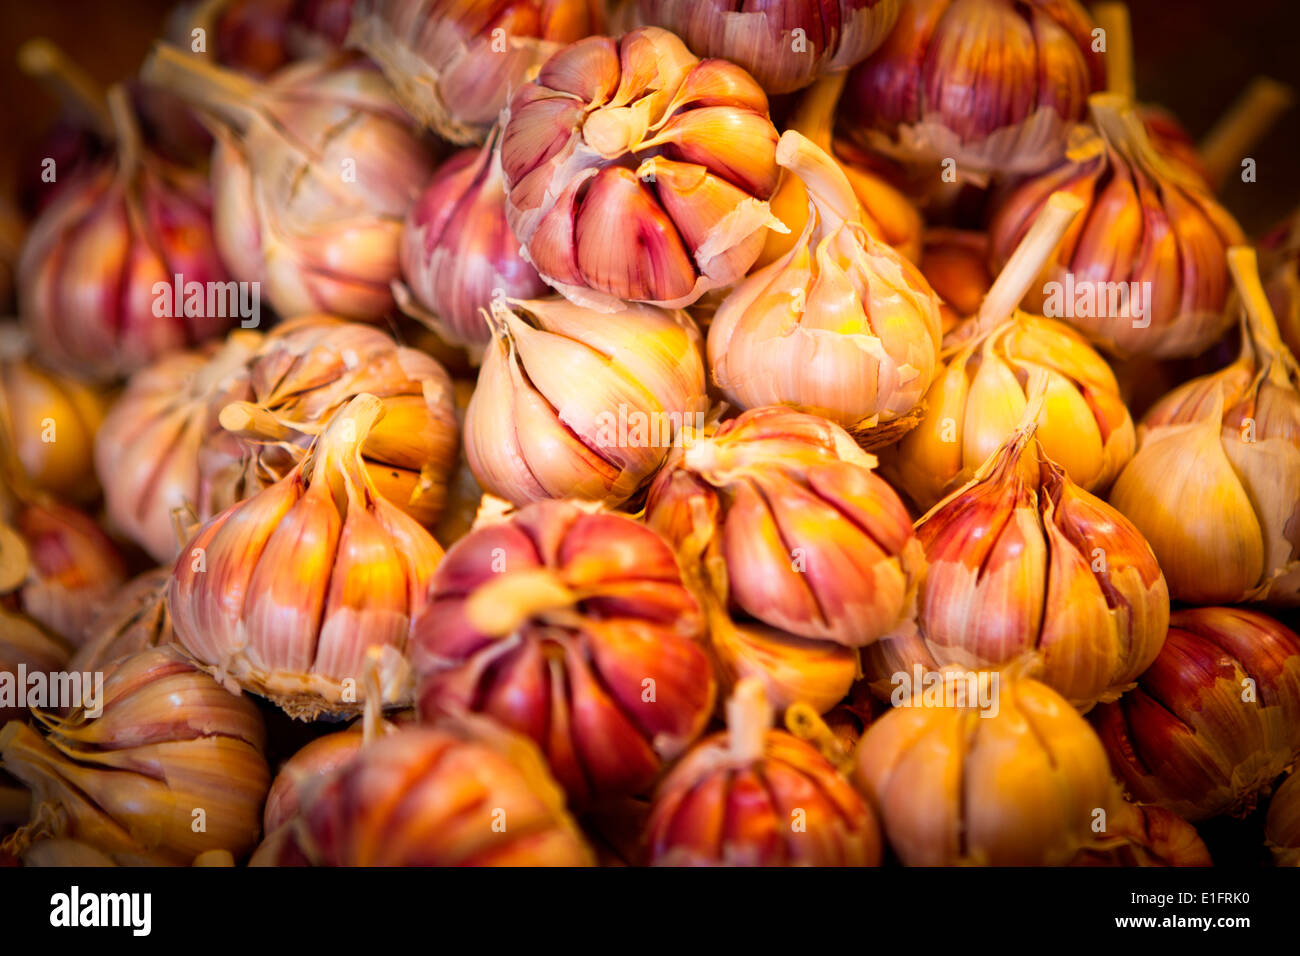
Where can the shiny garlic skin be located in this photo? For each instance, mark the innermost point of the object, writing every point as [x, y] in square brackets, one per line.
[574, 403]
[993, 84]
[1023, 561]
[637, 173]
[572, 627]
[169, 740]
[1146, 220]
[304, 592]
[1022, 787]
[761, 38]
[1214, 719]
[448, 62]
[430, 796]
[841, 326]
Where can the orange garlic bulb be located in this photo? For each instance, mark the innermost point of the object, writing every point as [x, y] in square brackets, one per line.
[454, 64]
[464, 792]
[1022, 560]
[636, 172]
[572, 403]
[1022, 783]
[1214, 719]
[841, 325]
[1215, 483]
[754, 796]
[1142, 270]
[304, 592]
[169, 748]
[305, 770]
[574, 628]
[799, 531]
[1153, 836]
[955, 263]
[48, 420]
[981, 391]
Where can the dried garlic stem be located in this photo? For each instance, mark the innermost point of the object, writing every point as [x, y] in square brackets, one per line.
[224, 93]
[815, 116]
[749, 717]
[126, 131]
[251, 421]
[804, 722]
[1027, 262]
[1260, 321]
[501, 606]
[1114, 19]
[1247, 121]
[76, 91]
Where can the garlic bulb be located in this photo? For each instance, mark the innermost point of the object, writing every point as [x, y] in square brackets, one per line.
[1023, 560]
[1283, 824]
[1282, 279]
[785, 46]
[302, 373]
[458, 252]
[304, 592]
[98, 288]
[1141, 271]
[810, 540]
[25, 648]
[464, 792]
[982, 389]
[1215, 483]
[73, 567]
[304, 770]
[841, 325]
[990, 84]
[886, 213]
[572, 627]
[148, 450]
[635, 172]
[1153, 836]
[169, 749]
[1022, 784]
[313, 174]
[454, 64]
[1215, 718]
[48, 421]
[754, 796]
[133, 620]
[261, 36]
[572, 403]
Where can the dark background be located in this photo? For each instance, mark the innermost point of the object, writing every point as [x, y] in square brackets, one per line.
[1193, 57]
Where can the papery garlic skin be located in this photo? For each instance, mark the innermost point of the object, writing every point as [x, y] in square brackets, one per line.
[991, 84]
[712, 810]
[454, 64]
[49, 420]
[134, 619]
[1215, 482]
[169, 740]
[305, 770]
[302, 373]
[551, 622]
[429, 796]
[811, 541]
[841, 326]
[148, 450]
[1019, 786]
[572, 403]
[98, 270]
[1145, 220]
[304, 592]
[1022, 560]
[458, 253]
[785, 46]
[313, 174]
[1282, 827]
[981, 392]
[635, 172]
[24, 644]
[1153, 836]
[1214, 720]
